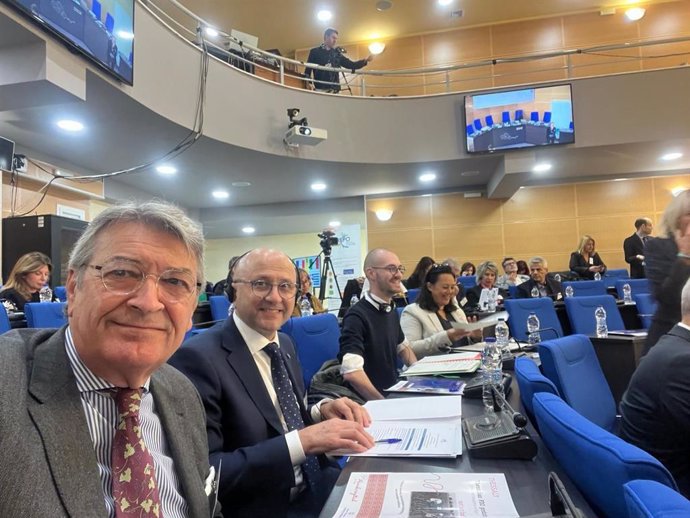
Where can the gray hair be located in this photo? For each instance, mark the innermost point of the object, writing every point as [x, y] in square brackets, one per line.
[538, 260]
[679, 205]
[489, 266]
[452, 262]
[162, 216]
[685, 299]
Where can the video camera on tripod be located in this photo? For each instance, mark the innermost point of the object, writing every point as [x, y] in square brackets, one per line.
[328, 241]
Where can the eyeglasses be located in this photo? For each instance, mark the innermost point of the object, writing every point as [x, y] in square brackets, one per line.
[262, 288]
[391, 268]
[125, 277]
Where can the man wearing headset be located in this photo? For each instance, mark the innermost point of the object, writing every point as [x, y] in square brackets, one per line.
[250, 381]
[371, 337]
[329, 55]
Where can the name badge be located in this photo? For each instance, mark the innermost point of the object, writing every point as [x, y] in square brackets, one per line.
[591, 260]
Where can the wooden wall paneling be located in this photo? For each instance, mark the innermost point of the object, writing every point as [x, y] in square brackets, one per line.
[665, 20]
[475, 243]
[665, 56]
[408, 244]
[663, 186]
[405, 53]
[463, 80]
[608, 233]
[546, 238]
[412, 212]
[525, 72]
[454, 210]
[540, 203]
[458, 46]
[613, 62]
[612, 198]
[591, 29]
[526, 37]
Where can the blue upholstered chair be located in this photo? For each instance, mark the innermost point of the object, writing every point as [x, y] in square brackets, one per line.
[571, 125]
[519, 310]
[586, 288]
[636, 286]
[546, 119]
[317, 339]
[477, 125]
[468, 281]
[489, 121]
[581, 313]
[646, 307]
[109, 23]
[598, 462]
[519, 115]
[611, 276]
[505, 118]
[4, 320]
[61, 293]
[534, 117]
[512, 291]
[96, 9]
[220, 305]
[650, 499]
[470, 130]
[530, 381]
[45, 314]
[412, 295]
[572, 365]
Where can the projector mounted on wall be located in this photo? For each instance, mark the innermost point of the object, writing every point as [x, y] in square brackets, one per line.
[305, 135]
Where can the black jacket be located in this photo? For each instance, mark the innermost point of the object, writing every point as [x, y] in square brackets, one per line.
[632, 247]
[325, 79]
[579, 265]
[553, 289]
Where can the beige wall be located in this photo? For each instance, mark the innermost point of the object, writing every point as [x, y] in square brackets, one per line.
[546, 221]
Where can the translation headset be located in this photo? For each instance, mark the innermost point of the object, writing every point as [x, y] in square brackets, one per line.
[382, 307]
[230, 290]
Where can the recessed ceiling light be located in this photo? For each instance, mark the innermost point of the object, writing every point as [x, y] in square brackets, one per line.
[634, 13]
[248, 230]
[469, 173]
[166, 169]
[220, 195]
[445, 2]
[619, 179]
[324, 15]
[334, 223]
[376, 47]
[671, 156]
[541, 168]
[70, 125]
[241, 184]
[427, 177]
[318, 186]
[211, 32]
[384, 5]
[125, 35]
[383, 214]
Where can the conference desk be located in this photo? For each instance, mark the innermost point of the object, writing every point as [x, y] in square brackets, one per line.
[628, 312]
[527, 480]
[618, 356]
[517, 135]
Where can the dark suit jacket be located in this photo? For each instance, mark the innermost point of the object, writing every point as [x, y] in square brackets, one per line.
[244, 430]
[632, 247]
[47, 461]
[553, 288]
[474, 293]
[655, 411]
[581, 267]
[667, 275]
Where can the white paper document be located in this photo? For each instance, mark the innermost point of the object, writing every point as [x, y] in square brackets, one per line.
[424, 495]
[491, 320]
[444, 364]
[427, 407]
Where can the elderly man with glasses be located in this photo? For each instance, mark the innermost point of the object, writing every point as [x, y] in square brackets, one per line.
[260, 432]
[371, 339]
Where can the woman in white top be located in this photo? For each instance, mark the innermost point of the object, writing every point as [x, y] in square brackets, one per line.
[427, 323]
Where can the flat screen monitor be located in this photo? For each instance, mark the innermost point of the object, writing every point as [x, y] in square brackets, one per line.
[102, 30]
[518, 119]
[6, 154]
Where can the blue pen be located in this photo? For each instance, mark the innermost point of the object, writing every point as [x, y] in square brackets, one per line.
[388, 441]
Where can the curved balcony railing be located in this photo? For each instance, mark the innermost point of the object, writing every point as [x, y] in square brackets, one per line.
[443, 78]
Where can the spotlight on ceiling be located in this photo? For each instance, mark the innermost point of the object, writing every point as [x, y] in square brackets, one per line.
[383, 214]
[541, 168]
[318, 186]
[220, 195]
[334, 224]
[70, 125]
[427, 177]
[445, 2]
[671, 156]
[166, 169]
[248, 230]
[324, 15]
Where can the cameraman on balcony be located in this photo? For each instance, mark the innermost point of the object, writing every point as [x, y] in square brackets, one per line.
[329, 55]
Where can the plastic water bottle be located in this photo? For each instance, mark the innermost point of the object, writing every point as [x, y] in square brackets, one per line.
[602, 327]
[46, 294]
[535, 292]
[354, 300]
[305, 308]
[569, 291]
[597, 276]
[533, 325]
[491, 301]
[627, 294]
[502, 337]
[557, 277]
[492, 373]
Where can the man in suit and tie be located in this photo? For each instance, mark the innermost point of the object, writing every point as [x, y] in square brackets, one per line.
[633, 247]
[92, 420]
[250, 381]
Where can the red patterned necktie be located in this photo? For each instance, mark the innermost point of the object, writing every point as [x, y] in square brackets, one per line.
[134, 486]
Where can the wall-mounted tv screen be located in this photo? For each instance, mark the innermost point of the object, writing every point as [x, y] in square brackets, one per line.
[102, 30]
[516, 119]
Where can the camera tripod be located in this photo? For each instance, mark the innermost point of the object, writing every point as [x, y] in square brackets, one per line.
[325, 268]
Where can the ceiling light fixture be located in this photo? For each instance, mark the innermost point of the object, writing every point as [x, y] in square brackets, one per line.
[241, 184]
[376, 47]
[427, 177]
[383, 5]
[334, 223]
[220, 195]
[318, 186]
[383, 214]
[248, 230]
[324, 15]
[671, 156]
[635, 13]
[166, 169]
[445, 2]
[541, 168]
[70, 125]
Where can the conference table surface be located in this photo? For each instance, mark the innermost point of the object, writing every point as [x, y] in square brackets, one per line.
[527, 480]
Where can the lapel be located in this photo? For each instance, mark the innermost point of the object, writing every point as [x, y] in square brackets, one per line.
[177, 434]
[241, 362]
[59, 418]
[434, 320]
[680, 332]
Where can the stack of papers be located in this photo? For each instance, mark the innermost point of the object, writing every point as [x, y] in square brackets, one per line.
[457, 363]
[403, 495]
[429, 386]
[491, 320]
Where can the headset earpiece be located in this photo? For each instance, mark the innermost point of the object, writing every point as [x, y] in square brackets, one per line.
[385, 308]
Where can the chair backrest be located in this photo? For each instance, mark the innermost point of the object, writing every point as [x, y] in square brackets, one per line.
[317, 339]
[636, 286]
[470, 129]
[45, 314]
[478, 124]
[61, 293]
[4, 320]
[649, 499]
[489, 120]
[468, 281]
[505, 117]
[581, 313]
[96, 9]
[512, 291]
[412, 295]
[611, 276]
[534, 116]
[519, 115]
[547, 118]
[586, 288]
[598, 462]
[572, 365]
[519, 310]
[530, 381]
[109, 23]
[646, 307]
[220, 305]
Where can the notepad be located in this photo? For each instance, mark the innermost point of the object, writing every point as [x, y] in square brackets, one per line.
[466, 362]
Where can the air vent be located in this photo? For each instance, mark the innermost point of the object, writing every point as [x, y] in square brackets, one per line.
[456, 14]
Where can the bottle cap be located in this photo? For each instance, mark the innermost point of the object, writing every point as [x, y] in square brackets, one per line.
[489, 339]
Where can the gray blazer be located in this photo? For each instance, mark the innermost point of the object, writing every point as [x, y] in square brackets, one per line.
[424, 331]
[47, 461]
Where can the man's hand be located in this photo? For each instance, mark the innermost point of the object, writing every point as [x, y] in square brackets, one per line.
[345, 408]
[370, 58]
[335, 434]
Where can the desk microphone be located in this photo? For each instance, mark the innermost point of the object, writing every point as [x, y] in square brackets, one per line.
[519, 420]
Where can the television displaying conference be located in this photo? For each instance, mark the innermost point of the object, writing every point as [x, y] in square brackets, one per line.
[517, 119]
[102, 30]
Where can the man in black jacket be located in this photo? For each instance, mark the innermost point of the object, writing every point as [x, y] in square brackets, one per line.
[545, 286]
[633, 247]
[330, 55]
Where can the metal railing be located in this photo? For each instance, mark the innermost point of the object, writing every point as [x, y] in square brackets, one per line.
[443, 78]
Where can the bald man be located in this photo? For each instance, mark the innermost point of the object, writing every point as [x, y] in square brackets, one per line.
[270, 444]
